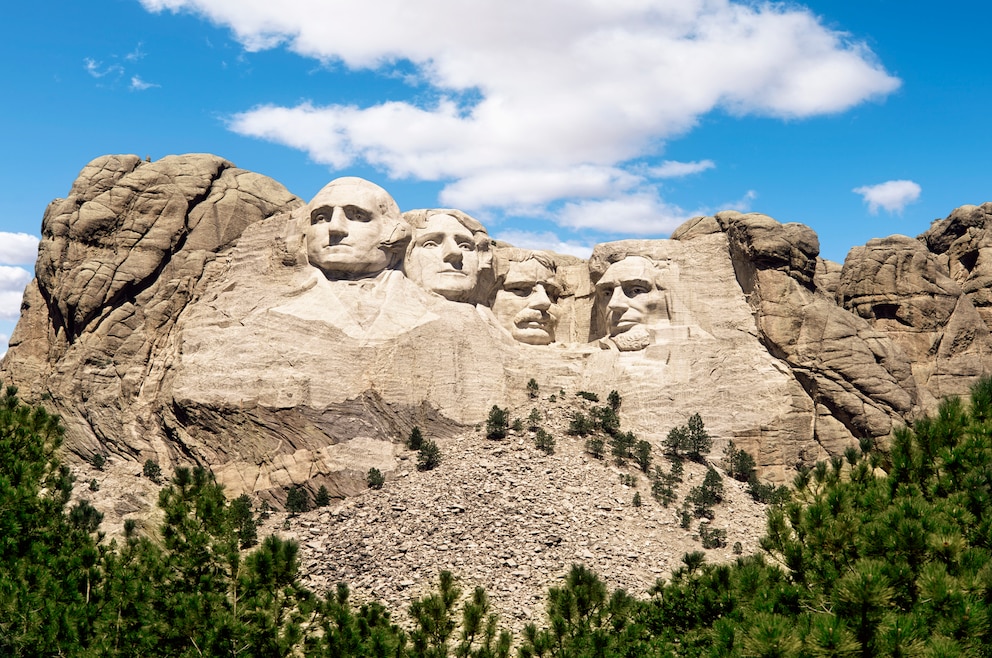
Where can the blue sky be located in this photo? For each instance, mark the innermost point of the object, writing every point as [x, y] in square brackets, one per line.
[557, 123]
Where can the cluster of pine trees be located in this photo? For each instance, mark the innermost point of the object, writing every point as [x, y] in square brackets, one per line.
[876, 553]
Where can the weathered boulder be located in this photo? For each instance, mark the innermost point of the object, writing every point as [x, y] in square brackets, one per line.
[905, 291]
[120, 259]
[965, 241]
[859, 381]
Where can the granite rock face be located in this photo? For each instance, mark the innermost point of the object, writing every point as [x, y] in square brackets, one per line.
[191, 312]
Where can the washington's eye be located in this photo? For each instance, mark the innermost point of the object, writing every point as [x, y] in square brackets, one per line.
[318, 219]
[358, 214]
[606, 292]
[466, 246]
[632, 291]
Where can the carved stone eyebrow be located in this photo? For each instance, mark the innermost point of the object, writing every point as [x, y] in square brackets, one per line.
[435, 236]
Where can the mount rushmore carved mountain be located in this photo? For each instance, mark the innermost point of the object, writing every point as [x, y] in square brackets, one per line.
[188, 311]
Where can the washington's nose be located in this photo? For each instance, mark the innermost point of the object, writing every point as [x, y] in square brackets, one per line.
[539, 299]
[338, 224]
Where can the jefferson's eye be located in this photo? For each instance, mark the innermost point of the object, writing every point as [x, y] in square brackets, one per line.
[428, 243]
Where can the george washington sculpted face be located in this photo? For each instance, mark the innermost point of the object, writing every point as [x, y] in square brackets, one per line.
[350, 220]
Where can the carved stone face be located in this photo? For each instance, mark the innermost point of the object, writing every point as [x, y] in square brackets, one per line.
[527, 303]
[348, 223]
[444, 258]
[631, 296]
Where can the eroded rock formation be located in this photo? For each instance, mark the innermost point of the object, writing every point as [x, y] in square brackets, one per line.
[188, 311]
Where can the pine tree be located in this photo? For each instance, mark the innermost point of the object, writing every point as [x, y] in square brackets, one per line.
[297, 500]
[497, 423]
[415, 440]
[429, 456]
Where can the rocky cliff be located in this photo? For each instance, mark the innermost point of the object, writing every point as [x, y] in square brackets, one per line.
[188, 311]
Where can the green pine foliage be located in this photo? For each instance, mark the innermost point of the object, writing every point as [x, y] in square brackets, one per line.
[323, 497]
[375, 479]
[594, 446]
[297, 500]
[534, 419]
[690, 440]
[429, 456]
[497, 423]
[532, 388]
[416, 439]
[544, 441]
[152, 471]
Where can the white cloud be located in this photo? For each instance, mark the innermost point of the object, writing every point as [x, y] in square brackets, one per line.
[638, 213]
[569, 92]
[135, 54]
[137, 84]
[675, 169]
[544, 241]
[98, 70]
[893, 195]
[12, 283]
[18, 248]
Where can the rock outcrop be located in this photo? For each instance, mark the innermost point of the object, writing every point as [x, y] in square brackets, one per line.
[190, 312]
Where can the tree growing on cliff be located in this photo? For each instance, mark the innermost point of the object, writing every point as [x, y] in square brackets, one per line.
[429, 456]
[497, 423]
[297, 500]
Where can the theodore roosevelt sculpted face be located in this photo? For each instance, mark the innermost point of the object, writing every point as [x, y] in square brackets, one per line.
[527, 302]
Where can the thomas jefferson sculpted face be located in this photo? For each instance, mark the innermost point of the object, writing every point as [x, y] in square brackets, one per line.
[526, 303]
[351, 219]
[447, 253]
[632, 295]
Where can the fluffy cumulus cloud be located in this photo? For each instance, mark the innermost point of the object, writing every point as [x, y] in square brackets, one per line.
[892, 196]
[673, 169]
[544, 241]
[547, 100]
[18, 248]
[12, 282]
